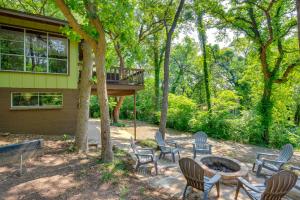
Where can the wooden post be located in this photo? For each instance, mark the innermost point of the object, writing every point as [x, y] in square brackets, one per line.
[134, 115]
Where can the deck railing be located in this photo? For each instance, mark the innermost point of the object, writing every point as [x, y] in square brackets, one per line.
[125, 76]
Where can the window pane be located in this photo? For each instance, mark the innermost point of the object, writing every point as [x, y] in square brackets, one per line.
[51, 99]
[57, 47]
[36, 44]
[10, 33]
[57, 66]
[12, 47]
[36, 64]
[25, 99]
[12, 62]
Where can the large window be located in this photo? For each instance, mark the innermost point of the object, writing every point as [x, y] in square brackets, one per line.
[32, 51]
[36, 100]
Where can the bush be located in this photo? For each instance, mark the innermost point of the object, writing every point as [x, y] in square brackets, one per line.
[94, 107]
[180, 111]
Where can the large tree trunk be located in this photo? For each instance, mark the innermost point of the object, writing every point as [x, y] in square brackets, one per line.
[84, 99]
[266, 109]
[116, 111]
[202, 38]
[164, 107]
[106, 145]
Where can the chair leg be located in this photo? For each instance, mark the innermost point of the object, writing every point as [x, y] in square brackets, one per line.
[205, 195]
[160, 155]
[155, 165]
[259, 168]
[237, 190]
[173, 157]
[218, 189]
[137, 166]
[253, 167]
[184, 193]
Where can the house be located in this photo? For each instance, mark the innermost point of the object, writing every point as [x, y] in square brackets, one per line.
[39, 76]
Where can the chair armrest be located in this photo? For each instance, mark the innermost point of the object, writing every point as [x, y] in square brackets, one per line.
[145, 151]
[264, 160]
[214, 179]
[145, 155]
[258, 155]
[295, 168]
[171, 142]
[248, 185]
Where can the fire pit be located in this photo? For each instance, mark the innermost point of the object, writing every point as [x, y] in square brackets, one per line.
[228, 168]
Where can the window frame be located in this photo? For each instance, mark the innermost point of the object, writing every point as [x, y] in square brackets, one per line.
[55, 34]
[38, 107]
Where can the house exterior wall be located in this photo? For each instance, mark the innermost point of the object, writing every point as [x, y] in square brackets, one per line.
[41, 80]
[39, 121]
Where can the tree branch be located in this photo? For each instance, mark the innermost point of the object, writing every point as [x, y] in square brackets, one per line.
[73, 22]
[286, 73]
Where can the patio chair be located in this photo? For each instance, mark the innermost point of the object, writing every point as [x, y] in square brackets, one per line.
[166, 147]
[144, 155]
[294, 168]
[200, 145]
[275, 187]
[273, 164]
[195, 178]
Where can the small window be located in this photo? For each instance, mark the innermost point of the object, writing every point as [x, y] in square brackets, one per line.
[33, 100]
[58, 54]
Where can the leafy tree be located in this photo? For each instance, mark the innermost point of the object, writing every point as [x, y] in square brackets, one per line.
[169, 33]
[97, 18]
[267, 24]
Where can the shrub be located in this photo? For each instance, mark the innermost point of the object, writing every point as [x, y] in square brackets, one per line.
[180, 111]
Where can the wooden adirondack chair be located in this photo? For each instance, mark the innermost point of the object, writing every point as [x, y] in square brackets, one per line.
[276, 164]
[144, 155]
[275, 187]
[166, 147]
[195, 178]
[200, 145]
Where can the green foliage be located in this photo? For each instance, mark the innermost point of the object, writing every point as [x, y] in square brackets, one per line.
[94, 107]
[180, 112]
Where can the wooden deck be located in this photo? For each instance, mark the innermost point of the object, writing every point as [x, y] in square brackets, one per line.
[123, 82]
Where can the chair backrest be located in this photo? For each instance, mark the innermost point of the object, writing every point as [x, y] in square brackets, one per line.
[159, 139]
[200, 138]
[286, 153]
[192, 172]
[279, 185]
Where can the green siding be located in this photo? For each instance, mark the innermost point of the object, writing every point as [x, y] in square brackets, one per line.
[31, 80]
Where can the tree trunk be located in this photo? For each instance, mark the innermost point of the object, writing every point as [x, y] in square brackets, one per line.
[116, 111]
[266, 109]
[164, 107]
[84, 99]
[297, 115]
[202, 38]
[106, 145]
[298, 19]
[156, 77]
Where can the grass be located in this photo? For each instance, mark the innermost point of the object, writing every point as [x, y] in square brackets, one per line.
[116, 170]
[148, 143]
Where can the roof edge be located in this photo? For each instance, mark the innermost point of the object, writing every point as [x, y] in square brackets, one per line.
[33, 17]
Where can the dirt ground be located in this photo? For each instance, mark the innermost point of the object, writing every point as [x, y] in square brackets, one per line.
[61, 174]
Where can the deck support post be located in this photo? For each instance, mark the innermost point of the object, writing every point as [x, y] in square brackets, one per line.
[134, 115]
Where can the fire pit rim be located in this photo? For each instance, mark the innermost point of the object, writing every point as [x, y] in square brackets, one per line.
[226, 176]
